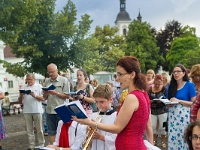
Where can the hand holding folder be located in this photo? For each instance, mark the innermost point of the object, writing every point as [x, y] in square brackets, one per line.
[66, 111]
[25, 91]
[50, 87]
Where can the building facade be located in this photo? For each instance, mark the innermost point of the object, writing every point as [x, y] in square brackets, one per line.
[123, 19]
[9, 82]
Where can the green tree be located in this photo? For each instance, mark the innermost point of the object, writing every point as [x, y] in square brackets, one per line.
[35, 32]
[88, 55]
[191, 58]
[164, 39]
[141, 43]
[184, 50]
[109, 47]
[188, 31]
[173, 29]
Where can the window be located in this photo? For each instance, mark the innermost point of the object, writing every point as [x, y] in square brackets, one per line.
[122, 5]
[10, 84]
[124, 32]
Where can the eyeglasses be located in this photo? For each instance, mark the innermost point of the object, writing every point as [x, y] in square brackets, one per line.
[178, 71]
[121, 74]
[194, 137]
[51, 72]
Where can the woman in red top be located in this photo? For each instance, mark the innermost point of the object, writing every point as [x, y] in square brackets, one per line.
[133, 117]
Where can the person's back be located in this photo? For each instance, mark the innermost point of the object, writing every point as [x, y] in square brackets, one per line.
[131, 137]
[6, 101]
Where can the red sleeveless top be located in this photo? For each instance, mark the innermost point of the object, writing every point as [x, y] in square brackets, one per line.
[131, 137]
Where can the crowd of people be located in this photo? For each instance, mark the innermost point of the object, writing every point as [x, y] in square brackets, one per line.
[132, 114]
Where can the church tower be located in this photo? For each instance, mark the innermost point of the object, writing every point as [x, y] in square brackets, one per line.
[139, 17]
[123, 19]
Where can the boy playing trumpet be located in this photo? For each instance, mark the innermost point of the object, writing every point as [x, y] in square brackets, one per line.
[103, 140]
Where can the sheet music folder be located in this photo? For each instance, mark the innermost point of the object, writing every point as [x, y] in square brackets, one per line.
[66, 111]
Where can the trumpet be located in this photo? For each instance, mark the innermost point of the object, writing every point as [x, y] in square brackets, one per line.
[86, 144]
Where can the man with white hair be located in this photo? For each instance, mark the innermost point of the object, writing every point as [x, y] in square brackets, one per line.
[32, 109]
[54, 98]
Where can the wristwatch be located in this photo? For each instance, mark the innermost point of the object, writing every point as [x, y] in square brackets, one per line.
[58, 94]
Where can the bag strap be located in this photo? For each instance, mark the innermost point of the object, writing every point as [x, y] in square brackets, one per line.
[75, 88]
[88, 89]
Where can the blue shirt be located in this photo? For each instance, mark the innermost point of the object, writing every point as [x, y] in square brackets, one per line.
[186, 92]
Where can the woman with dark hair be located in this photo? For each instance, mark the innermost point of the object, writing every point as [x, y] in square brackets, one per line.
[158, 109]
[133, 117]
[86, 98]
[192, 135]
[180, 90]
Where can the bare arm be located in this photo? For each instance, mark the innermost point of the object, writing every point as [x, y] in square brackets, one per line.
[88, 99]
[63, 96]
[39, 98]
[130, 105]
[183, 102]
[1, 95]
[53, 92]
[20, 98]
[45, 94]
[149, 130]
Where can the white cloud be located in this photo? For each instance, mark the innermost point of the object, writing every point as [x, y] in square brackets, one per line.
[181, 6]
[155, 12]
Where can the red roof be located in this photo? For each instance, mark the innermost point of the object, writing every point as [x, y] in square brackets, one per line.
[8, 53]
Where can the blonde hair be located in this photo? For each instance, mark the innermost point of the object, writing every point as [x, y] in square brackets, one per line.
[103, 91]
[110, 83]
[95, 82]
[150, 71]
[195, 71]
[166, 76]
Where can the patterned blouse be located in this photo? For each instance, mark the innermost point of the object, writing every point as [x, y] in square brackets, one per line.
[157, 108]
[85, 104]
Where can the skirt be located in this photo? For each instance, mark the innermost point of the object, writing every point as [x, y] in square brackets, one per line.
[178, 119]
[2, 127]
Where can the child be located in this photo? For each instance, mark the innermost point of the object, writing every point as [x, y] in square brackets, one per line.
[69, 135]
[72, 140]
[104, 140]
[6, 102]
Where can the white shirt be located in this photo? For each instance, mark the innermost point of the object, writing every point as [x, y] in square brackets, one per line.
[31, 104]
[75, 141]
[109, 143]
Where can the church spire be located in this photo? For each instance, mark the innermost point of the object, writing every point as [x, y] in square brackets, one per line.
[122, 5]
[139, 17]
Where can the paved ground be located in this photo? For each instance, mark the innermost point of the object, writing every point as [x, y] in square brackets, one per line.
[16, 135]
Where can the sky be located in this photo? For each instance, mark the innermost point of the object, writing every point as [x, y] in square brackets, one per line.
[154, 12]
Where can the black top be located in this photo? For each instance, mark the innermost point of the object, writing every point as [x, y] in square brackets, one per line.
[157, 108]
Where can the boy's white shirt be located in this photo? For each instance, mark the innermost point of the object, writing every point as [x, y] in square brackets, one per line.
[75, 142]
[110, 138]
